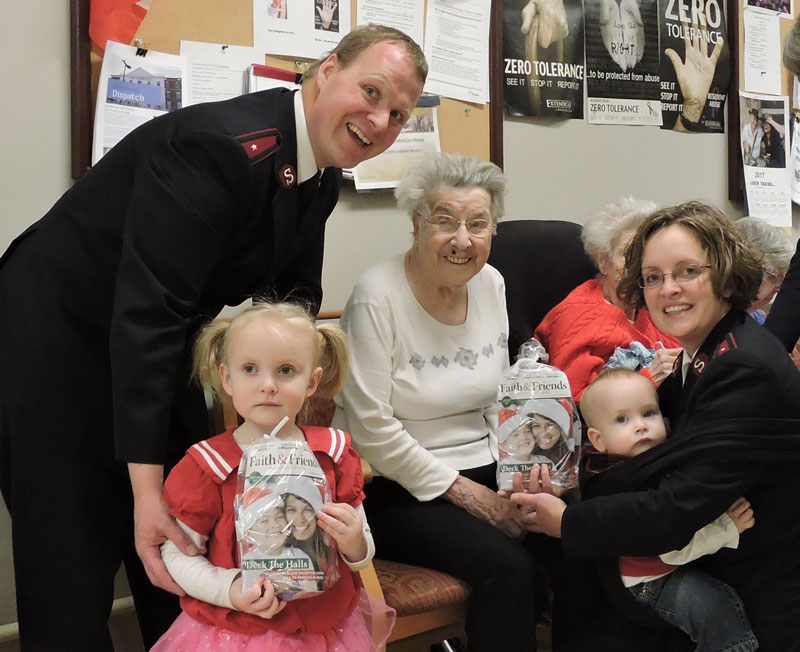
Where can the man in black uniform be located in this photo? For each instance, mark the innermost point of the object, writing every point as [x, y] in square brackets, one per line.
[100, 300]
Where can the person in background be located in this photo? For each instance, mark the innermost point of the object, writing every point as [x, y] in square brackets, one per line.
[791, 49]
[582, 332]
[774, 246]
[196, 209]
[752, 135]
[772, 152]
[732, 405]
[428, 334]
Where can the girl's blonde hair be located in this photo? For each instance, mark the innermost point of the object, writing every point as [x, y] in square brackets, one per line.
[330, 347]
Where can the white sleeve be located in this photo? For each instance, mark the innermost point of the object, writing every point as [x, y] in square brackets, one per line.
[356, 566]
[378, 436]
[196, 575]
[720, 533]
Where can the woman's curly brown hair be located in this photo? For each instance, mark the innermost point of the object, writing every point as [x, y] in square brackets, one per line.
[735, 266]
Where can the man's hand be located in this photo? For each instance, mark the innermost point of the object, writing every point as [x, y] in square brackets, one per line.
[153, 525]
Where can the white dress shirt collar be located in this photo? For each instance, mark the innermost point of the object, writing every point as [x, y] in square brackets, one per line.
[306, 163]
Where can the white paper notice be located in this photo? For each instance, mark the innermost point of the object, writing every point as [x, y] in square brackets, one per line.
[216, 71]
[457, 49]
[405, 15]
[300, 28]
[762, 57]
[795, 160]
[795, 92]
[763, 136]
[420, 135]
[133, 90]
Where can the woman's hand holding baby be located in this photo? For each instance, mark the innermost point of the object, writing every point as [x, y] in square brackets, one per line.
[742, 514]
[345, 525]
[259, 599]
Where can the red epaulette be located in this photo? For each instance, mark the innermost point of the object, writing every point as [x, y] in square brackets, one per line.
[260, 144]
[728, 343]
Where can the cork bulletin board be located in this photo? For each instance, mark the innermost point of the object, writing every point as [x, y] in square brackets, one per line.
[464, 127]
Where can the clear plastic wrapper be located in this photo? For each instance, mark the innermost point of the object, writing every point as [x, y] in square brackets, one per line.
[281, 487]
[537, 422]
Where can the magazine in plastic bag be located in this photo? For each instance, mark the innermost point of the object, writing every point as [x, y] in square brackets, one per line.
[281, 487]
[537, 422]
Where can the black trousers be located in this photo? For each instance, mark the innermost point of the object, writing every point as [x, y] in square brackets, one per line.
[508, 587]
[70, 502]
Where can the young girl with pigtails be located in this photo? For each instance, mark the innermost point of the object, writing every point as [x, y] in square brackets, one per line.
[269, 359]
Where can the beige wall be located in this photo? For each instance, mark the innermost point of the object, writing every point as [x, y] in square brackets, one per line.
[556, 170]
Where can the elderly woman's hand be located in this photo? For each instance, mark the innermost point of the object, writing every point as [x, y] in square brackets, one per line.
[485, 504]
[662, 365]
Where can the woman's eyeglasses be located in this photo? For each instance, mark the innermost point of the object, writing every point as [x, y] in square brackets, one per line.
[479, 226]
[685, 273]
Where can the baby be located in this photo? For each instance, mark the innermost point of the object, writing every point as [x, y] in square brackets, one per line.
[621, 410]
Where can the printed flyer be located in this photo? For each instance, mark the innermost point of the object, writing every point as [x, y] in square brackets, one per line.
[280, 488]
[763, 135]
[543, 58]
[695, 65]
[622, 64]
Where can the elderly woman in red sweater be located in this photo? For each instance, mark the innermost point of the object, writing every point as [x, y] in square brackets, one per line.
[582, 331]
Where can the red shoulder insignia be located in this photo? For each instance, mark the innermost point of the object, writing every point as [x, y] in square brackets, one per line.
[260, 144]
[728, 343]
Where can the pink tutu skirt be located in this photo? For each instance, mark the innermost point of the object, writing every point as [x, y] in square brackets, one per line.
[365, 630]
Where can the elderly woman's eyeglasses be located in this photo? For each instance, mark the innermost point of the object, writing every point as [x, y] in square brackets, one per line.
[685, 273]
[478, 226]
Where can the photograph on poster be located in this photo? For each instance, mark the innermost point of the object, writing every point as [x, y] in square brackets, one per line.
[767, 180]
[779, 6]
[763, 132]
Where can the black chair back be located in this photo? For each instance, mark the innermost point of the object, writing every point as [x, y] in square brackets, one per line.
[542, 261]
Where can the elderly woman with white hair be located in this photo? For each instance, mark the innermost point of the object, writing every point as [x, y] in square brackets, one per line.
[582, 332]
[774, 246]
[428, 333]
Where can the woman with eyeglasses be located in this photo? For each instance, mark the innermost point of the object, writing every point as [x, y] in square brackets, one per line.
[583, 331]
[733, 405]
[428, 334]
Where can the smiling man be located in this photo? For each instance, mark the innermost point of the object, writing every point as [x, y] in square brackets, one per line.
[196, 209]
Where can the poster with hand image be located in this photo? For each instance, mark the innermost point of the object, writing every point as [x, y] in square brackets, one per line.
[622, 62]
[543, 58]
[695, 66]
